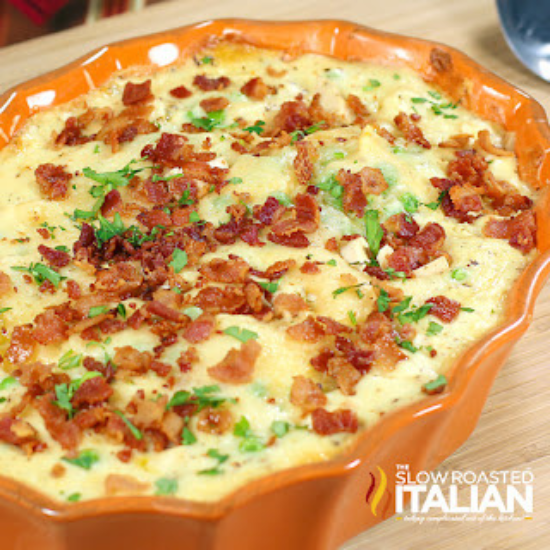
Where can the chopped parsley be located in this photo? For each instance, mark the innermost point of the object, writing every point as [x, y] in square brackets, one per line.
[193, 312]
[134, 431]
[407, 344]
[7, 383]
[216, 470]
[300, 134]
[332, 263]
[374, 232]
[410, 202]
[74, 497]
[188, 437]
[213, 119]
[179, 260]
[280, 428]
[97, 310]
[51, 229]
[467, 309]
[41, 273]
[235, 180]
[372, 85]
[65, 392]
[256, 128]
[383, 301]
[241, 334]
[270, 286]
[194, 217]
[86, 459]
[207, 60]
[69, 360]
[352, 318]
[4, 309]
[250, 442]
[121, 310]
[434, 328]
[459, 274]
[436, 204]
[166, 486]
[107, 230]
[202, 397]
[415, 314]
[436, 386]
[436, 105]
[342, 289]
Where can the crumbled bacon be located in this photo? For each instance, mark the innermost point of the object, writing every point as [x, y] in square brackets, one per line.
[411, 132]
[257, 89]
[71, 134]
[6, 285]
[22, 344]
[485, 143]
[292, 116]
[199, 330]
[310, 268]
[56, 258]
[521, 231]
[130, 359]
[49, 328]
[310, 331]
[344, 373]
[329, 423]
[209, 84]
[187, 358]
[358, 108]
[214, 421]
[214, 104]
[112, 203]
[53, 181]
[369, 181]
[270, 212]
[137, 93]
[181, 92]
[121, 484]
[291, 304]
[234, 270]
[20, 433]
[237, 367]
[304, 165]
[65, 432]
[444, 308]
[159, 309]
[306, 394]
[92, 392]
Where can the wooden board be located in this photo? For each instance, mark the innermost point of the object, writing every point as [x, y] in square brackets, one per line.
[514, 431]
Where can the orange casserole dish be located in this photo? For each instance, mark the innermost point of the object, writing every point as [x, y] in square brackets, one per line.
[319, 505]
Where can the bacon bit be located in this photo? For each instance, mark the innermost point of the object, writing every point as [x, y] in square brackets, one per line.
[214, 421]
[310, 268]
[56, 258]
[292, 116]
[234, 270]
[220, 300]
[468, 167]
[254, 295]
[93, 365]
[444, 308]
[6, 285]
[521, 231]
[209, 84]
[407, 258]
[509, 203]
[332, 327]
[465, 198]
[304, 166]
[71, 134]
[187, 358]
[310, 331]
[360, 359]
[53, 181]
[291, 304]
[270, 212]
[22, 344]
[410, 130]
[21, 434]
[58, 471]
[152, 218]
[119, 484]
[257, 89]
[121, 279]
[369, 181]
[130, 359]
[430, 238]
[49, 328]
[359, 109]
[345, 374]
[160, 310]
[92, 392]
[276, 73]
[238, 365]
[214, 104]
[112, 203]
[405, 227]
[137, 93]
[199, 330]
[306, 394]
[181, 92]
[43, 232]
[65, 432]
[441, 60]
[457, 141]
[295, 240]
[329, 423]
[305, 217]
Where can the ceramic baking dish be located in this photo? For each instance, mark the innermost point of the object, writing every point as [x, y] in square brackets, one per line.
[316, 506]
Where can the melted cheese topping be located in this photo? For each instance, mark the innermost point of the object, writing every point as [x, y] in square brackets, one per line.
[480, 273]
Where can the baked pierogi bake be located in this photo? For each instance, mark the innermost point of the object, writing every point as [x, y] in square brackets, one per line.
[237, 264]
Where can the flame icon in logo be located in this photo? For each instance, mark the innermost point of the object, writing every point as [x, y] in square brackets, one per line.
[378, 491]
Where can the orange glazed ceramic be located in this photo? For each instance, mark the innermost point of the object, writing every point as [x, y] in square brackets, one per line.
[319, 506]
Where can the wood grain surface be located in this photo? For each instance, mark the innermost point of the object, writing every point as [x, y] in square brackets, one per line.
[514, 431]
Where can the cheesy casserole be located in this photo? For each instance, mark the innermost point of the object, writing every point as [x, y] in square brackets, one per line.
[235, 265]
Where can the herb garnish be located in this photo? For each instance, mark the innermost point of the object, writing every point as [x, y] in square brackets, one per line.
[41, 273]
[213, 119]
[135, 432]
[86, 459]
[215, 454]
[241, 334]
[374, 232]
